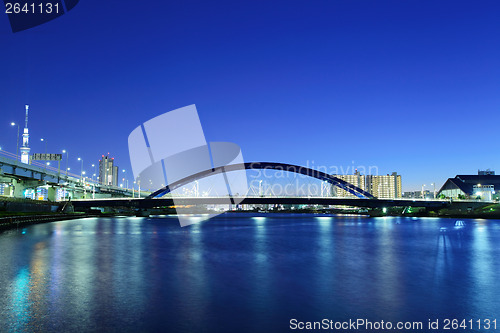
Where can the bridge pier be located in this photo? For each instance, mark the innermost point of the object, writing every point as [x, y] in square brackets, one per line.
[51, 193]
[18, 188]
[21, 185]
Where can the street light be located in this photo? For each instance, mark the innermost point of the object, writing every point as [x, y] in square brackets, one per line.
[67, 157]
[124, 178]
[17, 149]
[84, 186]
[43, 140]
[81, 170]
[95, 171]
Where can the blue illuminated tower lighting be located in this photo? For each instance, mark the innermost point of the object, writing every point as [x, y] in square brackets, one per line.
[25, 149]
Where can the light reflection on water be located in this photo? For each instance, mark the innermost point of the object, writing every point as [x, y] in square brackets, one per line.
[244, 273]
[20, 299]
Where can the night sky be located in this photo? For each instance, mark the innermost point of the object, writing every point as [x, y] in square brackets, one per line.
[411, 86]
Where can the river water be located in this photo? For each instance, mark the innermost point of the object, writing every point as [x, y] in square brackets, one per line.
[248, 273]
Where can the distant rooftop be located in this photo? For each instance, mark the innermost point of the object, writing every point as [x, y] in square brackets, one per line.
[485, 172]
[466, 183]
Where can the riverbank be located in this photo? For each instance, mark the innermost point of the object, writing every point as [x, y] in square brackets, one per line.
[33, 212]
[491, 211]
[21, 205]
[26, 219]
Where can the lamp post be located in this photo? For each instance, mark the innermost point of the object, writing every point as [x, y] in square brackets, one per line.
[124, 180]
[95, 171]
[17, 149]
[43, 140]
[84, 187]
[81, 170]
[67, 157]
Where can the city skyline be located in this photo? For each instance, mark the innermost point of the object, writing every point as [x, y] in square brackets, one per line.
[342, 87]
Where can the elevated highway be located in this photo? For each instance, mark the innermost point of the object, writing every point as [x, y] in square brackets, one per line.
[22, 176]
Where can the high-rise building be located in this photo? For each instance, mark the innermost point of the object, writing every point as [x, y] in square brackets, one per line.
[108, 172]
[357, 180]
[384, 187]
[25, 149]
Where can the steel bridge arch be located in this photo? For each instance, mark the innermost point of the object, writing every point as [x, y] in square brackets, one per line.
[265, 166]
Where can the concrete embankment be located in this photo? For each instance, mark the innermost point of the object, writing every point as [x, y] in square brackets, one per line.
[13, 222]
[24, 205]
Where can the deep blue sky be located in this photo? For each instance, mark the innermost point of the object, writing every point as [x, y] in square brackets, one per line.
[410, 86]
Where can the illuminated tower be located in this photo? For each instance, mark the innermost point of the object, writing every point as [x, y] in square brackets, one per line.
[25, 149]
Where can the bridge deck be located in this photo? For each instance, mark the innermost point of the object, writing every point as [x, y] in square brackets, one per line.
[356, 202]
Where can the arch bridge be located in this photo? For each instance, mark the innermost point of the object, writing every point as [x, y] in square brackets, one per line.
[362, 199]
[335, 181]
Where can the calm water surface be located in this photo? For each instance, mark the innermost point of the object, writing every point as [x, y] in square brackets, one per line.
[243, 273]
